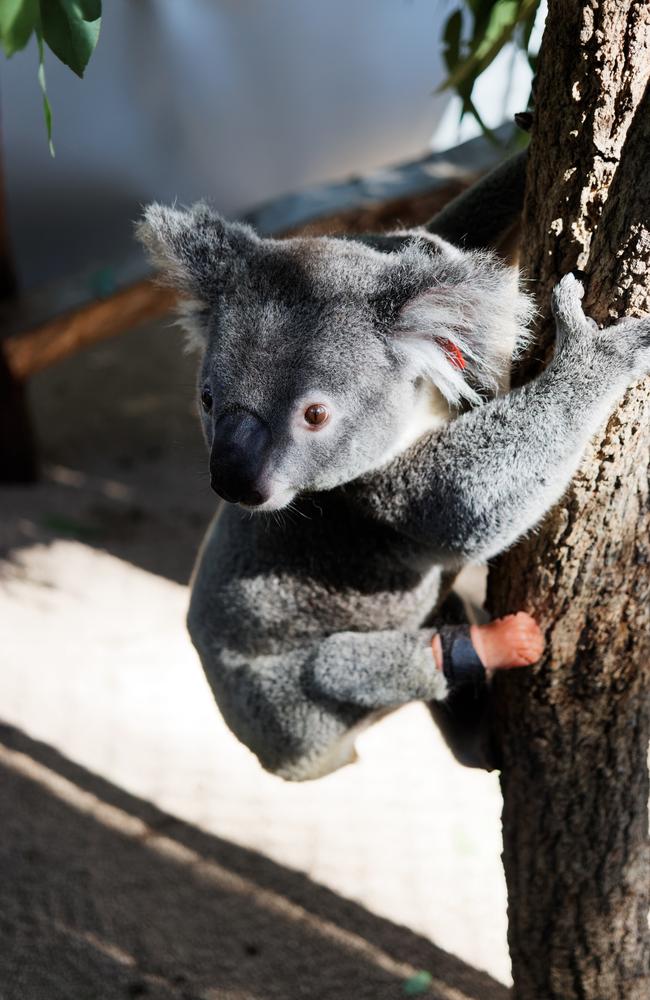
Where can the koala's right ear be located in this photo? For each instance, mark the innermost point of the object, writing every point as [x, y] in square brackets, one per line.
[193, 248]
[196, 251]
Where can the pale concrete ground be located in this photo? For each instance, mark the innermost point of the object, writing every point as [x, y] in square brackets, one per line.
[96, 663]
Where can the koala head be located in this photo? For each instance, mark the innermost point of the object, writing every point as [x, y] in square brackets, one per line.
[323, 358]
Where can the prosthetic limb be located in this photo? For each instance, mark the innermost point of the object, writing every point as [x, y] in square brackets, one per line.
[468, 655]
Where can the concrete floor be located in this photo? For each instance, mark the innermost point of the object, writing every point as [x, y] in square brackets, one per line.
[144, 852]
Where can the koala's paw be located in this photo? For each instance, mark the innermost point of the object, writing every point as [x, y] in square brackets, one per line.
[620, 352]
[566, 301]
[566, 306]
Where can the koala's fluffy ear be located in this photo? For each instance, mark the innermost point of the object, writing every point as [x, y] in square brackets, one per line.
[194, 251]
[465, 324]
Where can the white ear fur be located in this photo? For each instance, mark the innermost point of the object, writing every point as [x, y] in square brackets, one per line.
[481, 311]
[192, 316]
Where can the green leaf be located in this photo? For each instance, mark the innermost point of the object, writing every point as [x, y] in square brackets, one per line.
[18, 19]
[504, 18]
[417, 984]
[47, 108]
[8, 13]
[451, 38]
[495, 23]
[91, 9]
[69, 32]
[482, 12]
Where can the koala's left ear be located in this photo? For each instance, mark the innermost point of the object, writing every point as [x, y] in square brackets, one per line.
[192, 248]
[465, 324]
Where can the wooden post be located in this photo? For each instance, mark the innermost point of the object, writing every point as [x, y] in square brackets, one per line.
[17, 446]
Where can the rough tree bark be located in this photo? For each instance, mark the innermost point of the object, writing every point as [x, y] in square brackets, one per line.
[574, 731]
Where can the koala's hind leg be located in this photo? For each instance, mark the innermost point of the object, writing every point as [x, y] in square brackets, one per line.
[464, 719]
[465, 716]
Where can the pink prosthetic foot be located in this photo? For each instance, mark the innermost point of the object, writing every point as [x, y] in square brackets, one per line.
[468, 655]
[513, 641]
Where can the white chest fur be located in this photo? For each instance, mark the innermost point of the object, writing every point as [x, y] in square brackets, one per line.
[430, 411]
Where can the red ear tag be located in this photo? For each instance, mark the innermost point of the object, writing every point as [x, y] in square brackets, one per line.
[455, 354]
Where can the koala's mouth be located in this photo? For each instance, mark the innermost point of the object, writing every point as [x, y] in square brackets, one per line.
[277, 501]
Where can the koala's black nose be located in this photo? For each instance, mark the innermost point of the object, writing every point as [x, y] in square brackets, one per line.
[239, 449]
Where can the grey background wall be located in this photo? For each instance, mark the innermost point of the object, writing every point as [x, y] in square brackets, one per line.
[237, 100]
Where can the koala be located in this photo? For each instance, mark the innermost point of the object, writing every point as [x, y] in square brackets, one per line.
[353, 397]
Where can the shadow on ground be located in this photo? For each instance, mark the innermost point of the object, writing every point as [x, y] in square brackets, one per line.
[107, 897]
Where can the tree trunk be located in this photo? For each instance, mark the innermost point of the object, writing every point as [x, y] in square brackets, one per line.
[17, 447]
[574, 731]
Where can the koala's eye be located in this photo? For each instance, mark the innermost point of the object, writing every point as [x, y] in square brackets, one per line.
[206, 399]
[316, 415]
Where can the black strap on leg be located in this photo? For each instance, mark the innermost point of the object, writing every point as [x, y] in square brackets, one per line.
[461, 664]
[465, 715]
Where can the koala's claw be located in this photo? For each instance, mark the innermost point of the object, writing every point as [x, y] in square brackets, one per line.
[566, 307]
[566, 299]
[569, 283]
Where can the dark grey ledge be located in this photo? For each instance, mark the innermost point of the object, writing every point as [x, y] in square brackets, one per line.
[415, 177]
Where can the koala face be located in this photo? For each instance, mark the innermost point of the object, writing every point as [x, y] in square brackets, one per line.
[323, 358]
[300, 390]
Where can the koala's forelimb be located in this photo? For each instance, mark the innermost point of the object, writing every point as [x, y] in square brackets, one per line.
[471, 490]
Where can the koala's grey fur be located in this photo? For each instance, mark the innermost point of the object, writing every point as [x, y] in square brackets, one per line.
[311, 623]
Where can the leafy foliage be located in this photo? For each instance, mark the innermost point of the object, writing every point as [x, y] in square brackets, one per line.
[468, 53]
[70, 28]
[418, 984]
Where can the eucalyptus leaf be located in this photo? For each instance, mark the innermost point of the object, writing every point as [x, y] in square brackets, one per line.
[468, 53]
[418, 984]
[481, 11]
[18, 19]
[69, 33]
[451, 38]
[9, 10]
[90, 9]
[504, 18]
